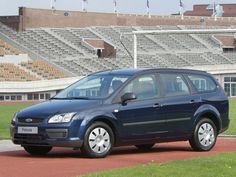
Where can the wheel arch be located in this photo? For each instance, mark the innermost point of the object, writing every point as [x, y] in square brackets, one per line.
[109, 122]
[212, 116]
[210, 112]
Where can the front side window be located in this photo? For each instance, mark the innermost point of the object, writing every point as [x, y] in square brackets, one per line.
[144, 87]
[115, 83]
[202, 83]
[92, 87]
[174, 85]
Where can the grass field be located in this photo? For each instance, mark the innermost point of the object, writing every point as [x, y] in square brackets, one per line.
[232, 116]
[222, 165]
[6, 113]
[8, 110]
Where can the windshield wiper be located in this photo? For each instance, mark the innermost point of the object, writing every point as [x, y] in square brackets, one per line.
[56, 98]
[70, 98]
[78, 98]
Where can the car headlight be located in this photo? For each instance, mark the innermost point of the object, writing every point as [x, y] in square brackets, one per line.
[62, 118]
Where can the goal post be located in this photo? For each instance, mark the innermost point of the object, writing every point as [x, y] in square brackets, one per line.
[159, 32]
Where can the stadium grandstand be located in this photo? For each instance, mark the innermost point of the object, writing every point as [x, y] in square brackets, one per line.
[43, 51]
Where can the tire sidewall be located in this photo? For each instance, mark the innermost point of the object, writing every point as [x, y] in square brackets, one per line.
[196, 139]
[86, 148]
[38, 150]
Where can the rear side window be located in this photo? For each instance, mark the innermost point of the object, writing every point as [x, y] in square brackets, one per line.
[174, 85]
[203, 83]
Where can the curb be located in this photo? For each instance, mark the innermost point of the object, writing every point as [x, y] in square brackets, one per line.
[7, 145]
[229, 136]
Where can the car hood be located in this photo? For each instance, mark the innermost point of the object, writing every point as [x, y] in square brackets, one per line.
[52, 107]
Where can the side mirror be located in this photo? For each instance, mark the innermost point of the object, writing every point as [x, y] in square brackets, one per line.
[128, 96]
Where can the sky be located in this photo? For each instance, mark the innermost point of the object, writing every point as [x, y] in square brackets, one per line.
[157, 7]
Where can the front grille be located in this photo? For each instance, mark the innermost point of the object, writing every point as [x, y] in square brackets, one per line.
[29, 137]
[30, 120]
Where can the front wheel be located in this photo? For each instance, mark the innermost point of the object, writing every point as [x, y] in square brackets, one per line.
[38, 150]
[98, 140]
[204, 136]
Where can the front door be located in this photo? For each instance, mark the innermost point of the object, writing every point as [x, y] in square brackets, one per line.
[143, 117]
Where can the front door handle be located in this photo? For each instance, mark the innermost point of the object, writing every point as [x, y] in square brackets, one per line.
[194, 101]
[157, 106]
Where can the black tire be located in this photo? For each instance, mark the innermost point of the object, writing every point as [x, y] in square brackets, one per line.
[204, 140]
[38, 150]
[144, 146]
[95, 138]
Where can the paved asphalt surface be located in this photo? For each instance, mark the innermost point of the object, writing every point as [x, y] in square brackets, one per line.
[7, 145]
[62, 162]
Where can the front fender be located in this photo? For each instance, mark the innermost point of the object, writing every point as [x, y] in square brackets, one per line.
[91, 117]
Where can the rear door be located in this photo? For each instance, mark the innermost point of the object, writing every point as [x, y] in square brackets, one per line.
[178, 104]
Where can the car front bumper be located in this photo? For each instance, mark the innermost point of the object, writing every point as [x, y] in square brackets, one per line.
[46, 136]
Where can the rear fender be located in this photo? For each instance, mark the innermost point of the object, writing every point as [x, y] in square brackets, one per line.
[205, 110]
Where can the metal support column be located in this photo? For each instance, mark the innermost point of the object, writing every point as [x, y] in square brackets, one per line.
[135, 51]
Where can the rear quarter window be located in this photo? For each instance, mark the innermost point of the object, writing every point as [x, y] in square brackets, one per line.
[203, 83]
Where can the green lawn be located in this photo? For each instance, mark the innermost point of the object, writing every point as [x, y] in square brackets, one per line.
[232, 116]
[222, 165]
[8, 110]
[6, 113]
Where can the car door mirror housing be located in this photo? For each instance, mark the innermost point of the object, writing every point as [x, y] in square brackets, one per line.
[128, 96]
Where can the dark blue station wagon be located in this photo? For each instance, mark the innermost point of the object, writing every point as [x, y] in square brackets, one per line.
[138, 107]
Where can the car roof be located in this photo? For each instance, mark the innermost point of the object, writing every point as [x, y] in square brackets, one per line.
[127, 71]
[132, 71]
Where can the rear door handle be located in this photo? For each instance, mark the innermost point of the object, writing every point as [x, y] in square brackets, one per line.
[157, 106]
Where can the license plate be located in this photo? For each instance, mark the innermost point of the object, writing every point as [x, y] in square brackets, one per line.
[27, 130]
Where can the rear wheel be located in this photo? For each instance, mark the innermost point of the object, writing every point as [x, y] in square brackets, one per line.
[204, 136]
[145, 146]
[38, 150]
[98, 140]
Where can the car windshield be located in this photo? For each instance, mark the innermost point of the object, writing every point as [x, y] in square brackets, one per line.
[93, 87]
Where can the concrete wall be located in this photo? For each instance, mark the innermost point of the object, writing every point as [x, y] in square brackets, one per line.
[11, 21]
[103, 49]
[226, 41]
[36, 86]
[8, 89]
[96, 43]
[109, 51]
[216, 69]
[15, 59]
[35, 18]
[58, 84]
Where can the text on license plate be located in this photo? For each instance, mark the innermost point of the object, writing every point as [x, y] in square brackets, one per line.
[27, 130]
